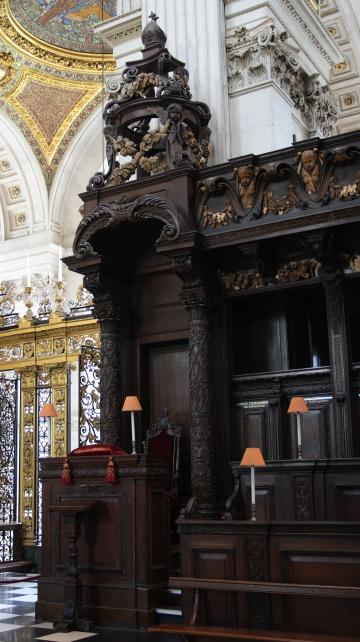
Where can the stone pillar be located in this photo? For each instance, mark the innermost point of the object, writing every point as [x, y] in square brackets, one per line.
[195, 32]
[199, 305]
[112, 309]
[279, 58]
[332, 279]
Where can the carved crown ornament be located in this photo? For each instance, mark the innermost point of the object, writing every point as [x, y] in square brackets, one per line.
[309, 182]
[152, 118]
[265, 55]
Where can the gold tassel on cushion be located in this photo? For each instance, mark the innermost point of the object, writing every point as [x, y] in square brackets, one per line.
[110, 476]
[66, 472]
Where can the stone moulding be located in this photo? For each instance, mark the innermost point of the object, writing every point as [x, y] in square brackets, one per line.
[112, 214]
[265, 55]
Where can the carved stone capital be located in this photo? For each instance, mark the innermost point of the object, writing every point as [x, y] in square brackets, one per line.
[265, 55]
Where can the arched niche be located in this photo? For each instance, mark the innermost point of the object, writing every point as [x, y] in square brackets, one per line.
[23, 193]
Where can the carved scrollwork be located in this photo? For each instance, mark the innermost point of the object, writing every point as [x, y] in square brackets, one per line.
[152, 89]
[110, 215]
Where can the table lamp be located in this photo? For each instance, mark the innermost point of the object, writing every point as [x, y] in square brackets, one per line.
[298, 406]
[252, 457]
[132, 404]
[48, 410]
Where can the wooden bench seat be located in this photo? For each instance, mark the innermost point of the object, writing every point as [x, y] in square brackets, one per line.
[271, 588]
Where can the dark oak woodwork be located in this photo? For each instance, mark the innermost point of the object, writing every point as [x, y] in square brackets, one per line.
[123, 547]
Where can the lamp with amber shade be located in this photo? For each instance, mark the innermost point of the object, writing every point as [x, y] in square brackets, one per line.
[132, 404]
[252, 457]
[298, 406]
[48, 410]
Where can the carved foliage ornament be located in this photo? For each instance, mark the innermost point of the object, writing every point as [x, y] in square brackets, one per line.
[254, 57]
[110, 215]
[153, 89]
[251, 194]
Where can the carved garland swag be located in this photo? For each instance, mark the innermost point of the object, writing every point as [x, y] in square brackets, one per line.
[311, 183]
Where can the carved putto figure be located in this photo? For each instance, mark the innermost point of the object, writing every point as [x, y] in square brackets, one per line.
[177, 149]
[309, 169]
[245, 183]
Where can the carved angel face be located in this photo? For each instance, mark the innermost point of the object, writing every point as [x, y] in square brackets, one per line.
[308, 160]
[245, 176]
[175, 112]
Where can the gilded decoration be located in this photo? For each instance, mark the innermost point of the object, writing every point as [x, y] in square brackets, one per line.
[6, 67]
[305, 182]
[241, 280]
[49, 91]
[42, 356]
[65, 99]
[158, 86]
[297, 271]
[31, 46]
[68, 24]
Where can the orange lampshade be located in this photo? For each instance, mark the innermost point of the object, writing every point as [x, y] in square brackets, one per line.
[298, 404]
[48, 410]
[131, 403]
[252, 457]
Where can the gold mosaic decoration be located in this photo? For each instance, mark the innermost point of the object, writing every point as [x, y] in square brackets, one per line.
[64, 100]
[29, 45]
[48, 92]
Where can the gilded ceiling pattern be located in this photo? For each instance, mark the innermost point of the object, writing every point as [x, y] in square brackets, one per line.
[65, 23]
[47, 90]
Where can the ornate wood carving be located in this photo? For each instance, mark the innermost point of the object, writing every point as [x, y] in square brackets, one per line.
[332, 278]
[108, 216]
[199, 304]
[302, 498]
[112, 309]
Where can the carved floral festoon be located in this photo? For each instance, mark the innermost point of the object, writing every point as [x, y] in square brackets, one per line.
[255, 191]
[152, 118]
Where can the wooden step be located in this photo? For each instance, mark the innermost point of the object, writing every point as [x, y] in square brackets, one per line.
[248, 635]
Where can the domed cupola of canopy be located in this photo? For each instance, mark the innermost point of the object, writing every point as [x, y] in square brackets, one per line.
[152, 118]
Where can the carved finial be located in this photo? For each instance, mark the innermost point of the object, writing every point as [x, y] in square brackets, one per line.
[153, 34]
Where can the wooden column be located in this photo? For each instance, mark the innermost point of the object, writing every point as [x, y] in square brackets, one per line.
[112, 309]
[200, 306]
[332, 278]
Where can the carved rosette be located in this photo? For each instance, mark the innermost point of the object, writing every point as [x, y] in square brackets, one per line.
[199, 305]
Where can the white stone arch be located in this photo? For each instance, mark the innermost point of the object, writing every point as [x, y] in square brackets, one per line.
[23, 193]
[81, 160]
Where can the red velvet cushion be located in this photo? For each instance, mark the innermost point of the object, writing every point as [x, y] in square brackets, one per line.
[98, 449]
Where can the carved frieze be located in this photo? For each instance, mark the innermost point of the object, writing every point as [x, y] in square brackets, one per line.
[305, 183]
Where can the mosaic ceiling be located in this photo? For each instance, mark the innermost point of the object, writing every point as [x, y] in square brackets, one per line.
[67, 24]
[51, 78]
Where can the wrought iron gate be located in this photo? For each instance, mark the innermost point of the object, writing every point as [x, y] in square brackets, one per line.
[89, 396]
[8, 461]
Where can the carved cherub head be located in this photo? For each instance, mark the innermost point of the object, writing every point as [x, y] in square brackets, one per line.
[174, 112]
[309, 159]
[244, 175]
[310, 162]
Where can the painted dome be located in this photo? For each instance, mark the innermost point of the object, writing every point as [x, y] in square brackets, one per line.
[67, 24]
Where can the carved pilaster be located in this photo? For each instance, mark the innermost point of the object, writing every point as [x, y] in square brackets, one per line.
[199, 304]
[112, 309]
[331, 276]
